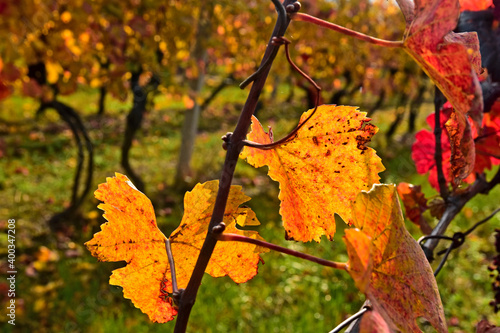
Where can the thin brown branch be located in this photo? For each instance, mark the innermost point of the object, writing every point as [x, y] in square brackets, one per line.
[486, 219]
[293, 133]
[438, 154]
[332, 26]
[258, 72]
[228, 237]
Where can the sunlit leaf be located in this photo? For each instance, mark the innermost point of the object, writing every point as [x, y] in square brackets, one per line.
[402, 286]
[237, 260]
[360, 250]
[451, 60]
[415, 204]
[131, 235]
[321, 170]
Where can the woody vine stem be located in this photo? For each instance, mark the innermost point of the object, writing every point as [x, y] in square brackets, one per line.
[234, 146]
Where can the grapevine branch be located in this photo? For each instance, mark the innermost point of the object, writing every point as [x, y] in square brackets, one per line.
[438, 155]
[456, 241]
[266, 64]
[234, 147]
[71, 117]
[332, 26]
[293, 133]
[455, 203]
[228, 237]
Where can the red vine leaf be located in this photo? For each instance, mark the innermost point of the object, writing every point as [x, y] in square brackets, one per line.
[415, 205]
[131, 235]
[402, 286]
[4, 91]
[475, 5]
[488, 142]
[451, 60]
[487, 146]
[321, 170]
[463, 151]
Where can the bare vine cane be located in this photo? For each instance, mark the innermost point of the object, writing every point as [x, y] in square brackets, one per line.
[457, 240]
[283, 41]
[290, 9]
[455, 203]
[234, 146]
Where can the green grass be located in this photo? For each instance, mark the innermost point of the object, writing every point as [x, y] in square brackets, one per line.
[69, 291]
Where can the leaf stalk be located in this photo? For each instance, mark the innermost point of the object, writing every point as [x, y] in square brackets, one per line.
[293, 133]
[228, 237]
[332, 26]
[171, 262]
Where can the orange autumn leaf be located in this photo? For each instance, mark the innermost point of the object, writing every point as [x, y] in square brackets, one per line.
[237, 260]
[131, 235]
[450, 59]
[321, 170]
[415, 205]
[360, 251]
[402, 286]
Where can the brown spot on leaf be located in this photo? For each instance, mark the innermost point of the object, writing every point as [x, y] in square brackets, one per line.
[362, 140]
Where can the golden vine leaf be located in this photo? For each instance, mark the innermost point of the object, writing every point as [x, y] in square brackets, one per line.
[131, 235]
[321, 170]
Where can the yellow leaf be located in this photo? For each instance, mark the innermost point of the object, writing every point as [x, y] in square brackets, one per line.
[321, 170]
[131, 235]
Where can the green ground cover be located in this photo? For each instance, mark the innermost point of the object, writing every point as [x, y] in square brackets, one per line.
[62, 288]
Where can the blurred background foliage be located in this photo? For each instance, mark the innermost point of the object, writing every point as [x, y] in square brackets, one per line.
[142, 81]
